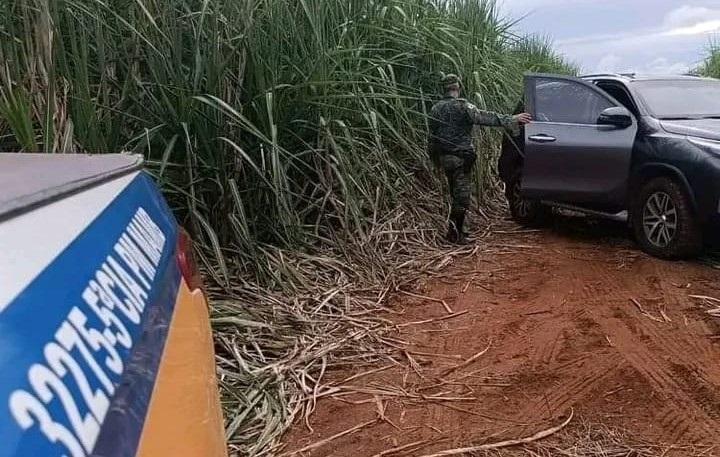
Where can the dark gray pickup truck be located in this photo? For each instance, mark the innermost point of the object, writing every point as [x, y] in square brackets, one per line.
[641, 149]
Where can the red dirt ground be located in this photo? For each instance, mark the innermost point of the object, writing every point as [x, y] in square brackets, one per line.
[556, 310]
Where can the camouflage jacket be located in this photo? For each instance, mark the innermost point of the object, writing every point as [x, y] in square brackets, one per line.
[451, 124]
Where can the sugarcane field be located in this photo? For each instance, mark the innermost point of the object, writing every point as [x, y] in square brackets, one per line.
[372, 228]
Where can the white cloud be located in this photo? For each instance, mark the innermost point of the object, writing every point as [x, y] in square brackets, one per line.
[670, 38]
[692, 20]
[688, 16]
[702, 28]
[526, 6]
[613, 63]
[610, 63]
[663, 66]
[680, 21]
[671, 47]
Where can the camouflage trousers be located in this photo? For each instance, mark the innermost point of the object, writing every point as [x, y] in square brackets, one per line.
[459, 175]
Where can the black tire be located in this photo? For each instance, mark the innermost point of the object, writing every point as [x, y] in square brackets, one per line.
[528, 213]
[664, 222]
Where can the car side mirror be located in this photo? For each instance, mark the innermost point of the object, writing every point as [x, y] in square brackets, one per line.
[616, 116]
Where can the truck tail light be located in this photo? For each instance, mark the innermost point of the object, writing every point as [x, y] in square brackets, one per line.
[186, 261]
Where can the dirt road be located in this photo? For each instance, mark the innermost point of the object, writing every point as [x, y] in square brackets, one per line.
[569, 319]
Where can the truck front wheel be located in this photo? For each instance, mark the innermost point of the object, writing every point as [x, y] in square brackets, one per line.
[664, 222]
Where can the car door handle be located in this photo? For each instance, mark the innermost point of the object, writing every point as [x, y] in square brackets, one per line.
[542, 138]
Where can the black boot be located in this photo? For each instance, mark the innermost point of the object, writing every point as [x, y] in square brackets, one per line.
[452, 234]
[456, 234]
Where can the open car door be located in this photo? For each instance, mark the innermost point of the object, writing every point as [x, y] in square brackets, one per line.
[578, 148]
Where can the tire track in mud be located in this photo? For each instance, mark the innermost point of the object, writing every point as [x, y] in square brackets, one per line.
[647, 344]
[679, 297]
[571, 389]
[547, 347]
[546, 340]
[681, 412]
[564, 334]
[689, 388]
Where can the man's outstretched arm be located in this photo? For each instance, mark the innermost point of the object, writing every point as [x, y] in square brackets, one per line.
[492, 119]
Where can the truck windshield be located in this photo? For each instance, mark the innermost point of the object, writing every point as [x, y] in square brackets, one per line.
[681, 99]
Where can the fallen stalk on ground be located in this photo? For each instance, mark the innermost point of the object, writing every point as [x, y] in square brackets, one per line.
[273, 368]
[508, 443]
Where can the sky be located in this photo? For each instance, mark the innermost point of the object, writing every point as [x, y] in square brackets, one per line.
[643, 36]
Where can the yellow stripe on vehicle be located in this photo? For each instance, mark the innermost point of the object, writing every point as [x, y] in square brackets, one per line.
[185, 419]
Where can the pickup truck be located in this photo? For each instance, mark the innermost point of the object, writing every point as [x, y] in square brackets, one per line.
[105, 342]
[642, 149]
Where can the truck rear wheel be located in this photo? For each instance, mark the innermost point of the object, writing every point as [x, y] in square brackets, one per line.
[664, 222]
[528, 213]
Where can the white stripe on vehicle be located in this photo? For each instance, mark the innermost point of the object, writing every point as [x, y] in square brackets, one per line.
[31, 241]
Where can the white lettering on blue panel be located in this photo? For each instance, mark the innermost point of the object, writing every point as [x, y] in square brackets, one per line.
[116, 293]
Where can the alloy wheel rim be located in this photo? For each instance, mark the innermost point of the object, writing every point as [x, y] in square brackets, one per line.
[660, 220]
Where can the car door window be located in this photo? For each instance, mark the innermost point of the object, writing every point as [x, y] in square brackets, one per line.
[618, 93]
[567, 102]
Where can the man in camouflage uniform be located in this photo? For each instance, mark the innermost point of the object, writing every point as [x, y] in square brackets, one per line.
[451, 144]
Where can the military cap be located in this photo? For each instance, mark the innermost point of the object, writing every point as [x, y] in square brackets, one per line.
[451, 80]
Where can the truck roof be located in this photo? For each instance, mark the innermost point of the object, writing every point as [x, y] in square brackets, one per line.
[30, 180]
[641, 77]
